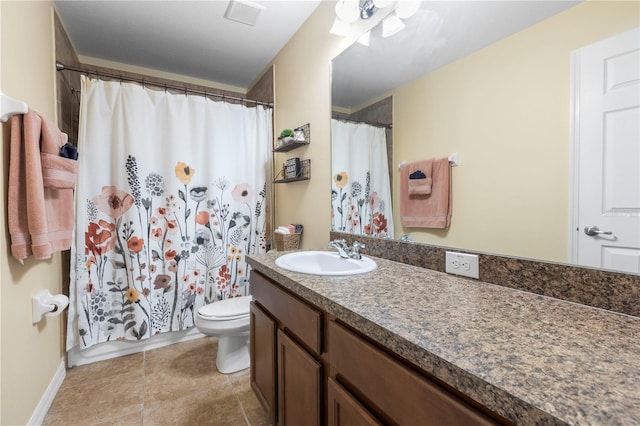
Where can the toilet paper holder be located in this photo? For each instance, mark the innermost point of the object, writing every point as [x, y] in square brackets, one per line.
[46, 304]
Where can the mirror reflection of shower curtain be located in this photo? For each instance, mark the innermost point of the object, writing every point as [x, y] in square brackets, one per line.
[360, 187]
[170, 198]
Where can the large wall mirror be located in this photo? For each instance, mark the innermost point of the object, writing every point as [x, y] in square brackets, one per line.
[494, 83]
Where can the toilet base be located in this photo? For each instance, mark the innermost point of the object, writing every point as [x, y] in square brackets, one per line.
[233, 354]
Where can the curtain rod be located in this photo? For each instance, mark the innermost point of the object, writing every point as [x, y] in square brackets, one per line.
[350, 120]
[62, 67]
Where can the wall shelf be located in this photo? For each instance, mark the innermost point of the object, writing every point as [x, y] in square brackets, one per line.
[303, 174]
[288, 146]
[295, 169]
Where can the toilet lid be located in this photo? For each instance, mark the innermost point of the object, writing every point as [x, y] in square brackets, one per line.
[226, 309]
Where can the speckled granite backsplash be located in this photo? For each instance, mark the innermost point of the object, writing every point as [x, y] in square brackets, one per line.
[613, 291]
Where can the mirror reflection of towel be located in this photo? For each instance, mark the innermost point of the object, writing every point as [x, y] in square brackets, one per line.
[420, 186]
[419, 182]
[426, 210]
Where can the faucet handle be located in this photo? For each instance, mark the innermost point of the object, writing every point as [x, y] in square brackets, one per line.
[355, 250]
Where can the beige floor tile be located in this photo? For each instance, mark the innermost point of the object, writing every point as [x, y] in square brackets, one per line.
[173, 385]
[207, 407]
[252, 409]
[134, 419]
[182, 370]
[97, 392]
[94, 403]
[126, 366]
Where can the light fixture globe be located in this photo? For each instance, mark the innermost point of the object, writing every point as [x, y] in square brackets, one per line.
[380, 4]
[340, 28]
[348, 10]
[364, 39]
[391, 25]
[407, 8]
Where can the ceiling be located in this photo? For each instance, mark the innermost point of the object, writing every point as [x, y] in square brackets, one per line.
[190, 38]
[193, 38]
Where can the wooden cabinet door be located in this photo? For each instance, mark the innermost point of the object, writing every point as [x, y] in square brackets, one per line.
[299, 385]
[263, 359]
[344, 410]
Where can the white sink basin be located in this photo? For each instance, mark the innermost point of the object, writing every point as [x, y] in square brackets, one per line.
[324, 263]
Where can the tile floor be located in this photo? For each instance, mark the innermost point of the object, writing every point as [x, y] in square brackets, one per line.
[174, 385]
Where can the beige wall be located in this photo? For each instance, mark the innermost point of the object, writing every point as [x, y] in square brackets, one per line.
[303, 95]
[505, 110]
[30, 354]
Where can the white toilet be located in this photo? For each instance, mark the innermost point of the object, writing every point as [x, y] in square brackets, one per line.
[228, 320]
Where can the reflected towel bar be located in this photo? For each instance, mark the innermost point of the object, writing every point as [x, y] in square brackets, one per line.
[453, 160]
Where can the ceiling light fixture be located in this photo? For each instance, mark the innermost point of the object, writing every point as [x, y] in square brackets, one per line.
[364, 39]
[407, 8]
[243, 11]
[349, 11]
[340, 28]
[381, 4]
[391, 25]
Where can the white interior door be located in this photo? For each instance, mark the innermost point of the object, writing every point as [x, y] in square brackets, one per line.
[607, 138]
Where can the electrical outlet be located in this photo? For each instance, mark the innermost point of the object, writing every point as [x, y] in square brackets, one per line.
[462, 264]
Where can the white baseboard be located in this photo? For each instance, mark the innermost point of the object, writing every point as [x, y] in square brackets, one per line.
[47, 399]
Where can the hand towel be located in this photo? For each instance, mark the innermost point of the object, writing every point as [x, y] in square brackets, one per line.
[420, 180]
[427, 211]
[40, 208]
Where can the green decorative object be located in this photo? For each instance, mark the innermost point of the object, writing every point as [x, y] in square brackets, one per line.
[286, 133]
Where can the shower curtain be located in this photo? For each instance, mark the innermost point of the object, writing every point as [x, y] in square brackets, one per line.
[170, 198]
[360, 188]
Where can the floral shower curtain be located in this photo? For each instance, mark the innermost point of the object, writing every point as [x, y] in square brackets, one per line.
[170, 199]
[360, 188]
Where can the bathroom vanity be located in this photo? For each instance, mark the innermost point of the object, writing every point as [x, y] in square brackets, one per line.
[406, 345]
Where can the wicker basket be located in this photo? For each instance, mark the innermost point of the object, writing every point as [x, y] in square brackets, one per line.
[286, 242]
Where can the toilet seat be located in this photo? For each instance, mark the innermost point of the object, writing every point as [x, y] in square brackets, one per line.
[226, 310]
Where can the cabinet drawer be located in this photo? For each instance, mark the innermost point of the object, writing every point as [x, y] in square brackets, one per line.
[292, 314]
[390, 390]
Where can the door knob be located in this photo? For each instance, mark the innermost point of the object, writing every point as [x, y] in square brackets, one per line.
[593, 230]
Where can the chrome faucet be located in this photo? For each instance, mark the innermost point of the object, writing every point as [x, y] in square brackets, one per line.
[341, 246]
[345, 251]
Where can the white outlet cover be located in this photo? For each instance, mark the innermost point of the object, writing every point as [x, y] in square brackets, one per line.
[463, 264]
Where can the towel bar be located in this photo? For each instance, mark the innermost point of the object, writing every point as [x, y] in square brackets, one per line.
[10, 106]
[453, 159]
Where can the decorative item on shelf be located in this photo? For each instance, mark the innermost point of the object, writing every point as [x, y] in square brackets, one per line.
[292, 168]
[286, 135]
[292, 139]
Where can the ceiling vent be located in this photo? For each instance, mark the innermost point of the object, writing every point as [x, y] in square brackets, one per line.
[243, 11]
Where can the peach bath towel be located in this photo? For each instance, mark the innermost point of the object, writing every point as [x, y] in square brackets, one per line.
[41, 184]
[427, 210]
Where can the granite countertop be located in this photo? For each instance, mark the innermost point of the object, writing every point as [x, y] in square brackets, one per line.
[529, 358]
